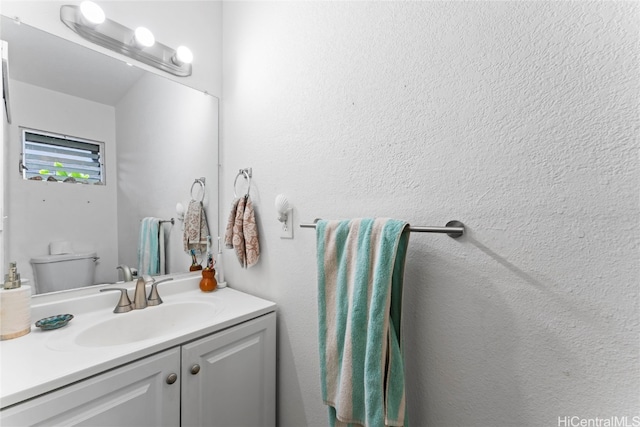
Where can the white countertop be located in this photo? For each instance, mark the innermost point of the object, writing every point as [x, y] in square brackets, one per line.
[31, 365]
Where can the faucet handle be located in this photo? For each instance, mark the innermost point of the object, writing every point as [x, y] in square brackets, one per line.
[154, 297]
[124, 304]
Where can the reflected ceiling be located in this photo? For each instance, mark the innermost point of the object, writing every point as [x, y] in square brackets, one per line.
[34, 51]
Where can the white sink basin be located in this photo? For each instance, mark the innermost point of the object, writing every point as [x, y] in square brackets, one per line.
[110, 330]
[139, 325]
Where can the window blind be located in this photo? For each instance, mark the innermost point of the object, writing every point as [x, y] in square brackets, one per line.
[61, 157]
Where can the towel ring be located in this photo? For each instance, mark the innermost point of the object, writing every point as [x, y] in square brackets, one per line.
[247, 175]
[202, 185]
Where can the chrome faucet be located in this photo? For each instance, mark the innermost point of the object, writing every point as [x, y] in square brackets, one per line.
[126, 272]
[140, 296]
[139, 300]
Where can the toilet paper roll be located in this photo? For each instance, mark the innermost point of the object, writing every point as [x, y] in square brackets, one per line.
[15, 312]
[59, 248]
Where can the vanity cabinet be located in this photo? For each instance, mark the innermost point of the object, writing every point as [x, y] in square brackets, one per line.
[224, 379]
[228, 379]
[136, 394]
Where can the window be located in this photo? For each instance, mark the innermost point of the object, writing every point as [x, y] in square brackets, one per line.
[50, 157]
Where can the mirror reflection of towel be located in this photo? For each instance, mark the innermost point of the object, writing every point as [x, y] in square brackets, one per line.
[162, 266]
[242, 232]
[149, 246]
[196, 229]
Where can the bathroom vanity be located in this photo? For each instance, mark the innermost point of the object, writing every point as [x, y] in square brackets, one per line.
[197, 359]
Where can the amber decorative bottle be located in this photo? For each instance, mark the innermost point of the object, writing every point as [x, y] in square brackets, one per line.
[208, 282]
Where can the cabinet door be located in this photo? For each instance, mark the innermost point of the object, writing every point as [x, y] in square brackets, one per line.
[234, 381]
[136, 394]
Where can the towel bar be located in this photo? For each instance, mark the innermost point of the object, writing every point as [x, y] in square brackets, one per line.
[453, 229]
[162, 221]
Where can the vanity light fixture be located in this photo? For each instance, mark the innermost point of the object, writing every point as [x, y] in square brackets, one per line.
[180, 211]
[91, 23]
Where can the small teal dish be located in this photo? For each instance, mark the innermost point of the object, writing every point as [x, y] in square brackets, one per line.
[54, 322]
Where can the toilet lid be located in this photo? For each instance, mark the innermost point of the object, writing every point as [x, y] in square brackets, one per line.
[45, 259]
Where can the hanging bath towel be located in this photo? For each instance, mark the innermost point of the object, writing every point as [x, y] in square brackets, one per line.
[162, 264]
[196, 229]
[360, 274]
[149, 247]
[242, 232]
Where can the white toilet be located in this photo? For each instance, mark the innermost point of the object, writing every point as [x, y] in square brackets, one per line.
[59, 272]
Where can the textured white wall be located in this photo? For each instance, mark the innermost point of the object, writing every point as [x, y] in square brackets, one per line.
[519, 119]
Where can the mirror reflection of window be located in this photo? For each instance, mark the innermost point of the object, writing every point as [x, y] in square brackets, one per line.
[59, 158]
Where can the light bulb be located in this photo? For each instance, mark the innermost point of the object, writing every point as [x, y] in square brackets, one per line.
[92, 13]
[183, 56]
[144, 37]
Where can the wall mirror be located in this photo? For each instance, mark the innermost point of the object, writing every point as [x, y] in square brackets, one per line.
[158, 135]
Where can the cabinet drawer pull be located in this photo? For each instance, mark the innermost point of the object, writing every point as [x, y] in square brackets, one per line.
[195, 369]
[172, 378]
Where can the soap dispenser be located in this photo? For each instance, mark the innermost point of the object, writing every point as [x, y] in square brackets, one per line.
[12, 278]
[15, 306]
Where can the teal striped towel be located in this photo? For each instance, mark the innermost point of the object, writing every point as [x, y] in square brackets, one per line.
[360, 273]
[148, 247]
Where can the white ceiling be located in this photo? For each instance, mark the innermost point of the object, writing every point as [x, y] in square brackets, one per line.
[48, 61]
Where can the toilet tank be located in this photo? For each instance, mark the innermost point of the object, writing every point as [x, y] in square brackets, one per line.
[59, 272]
